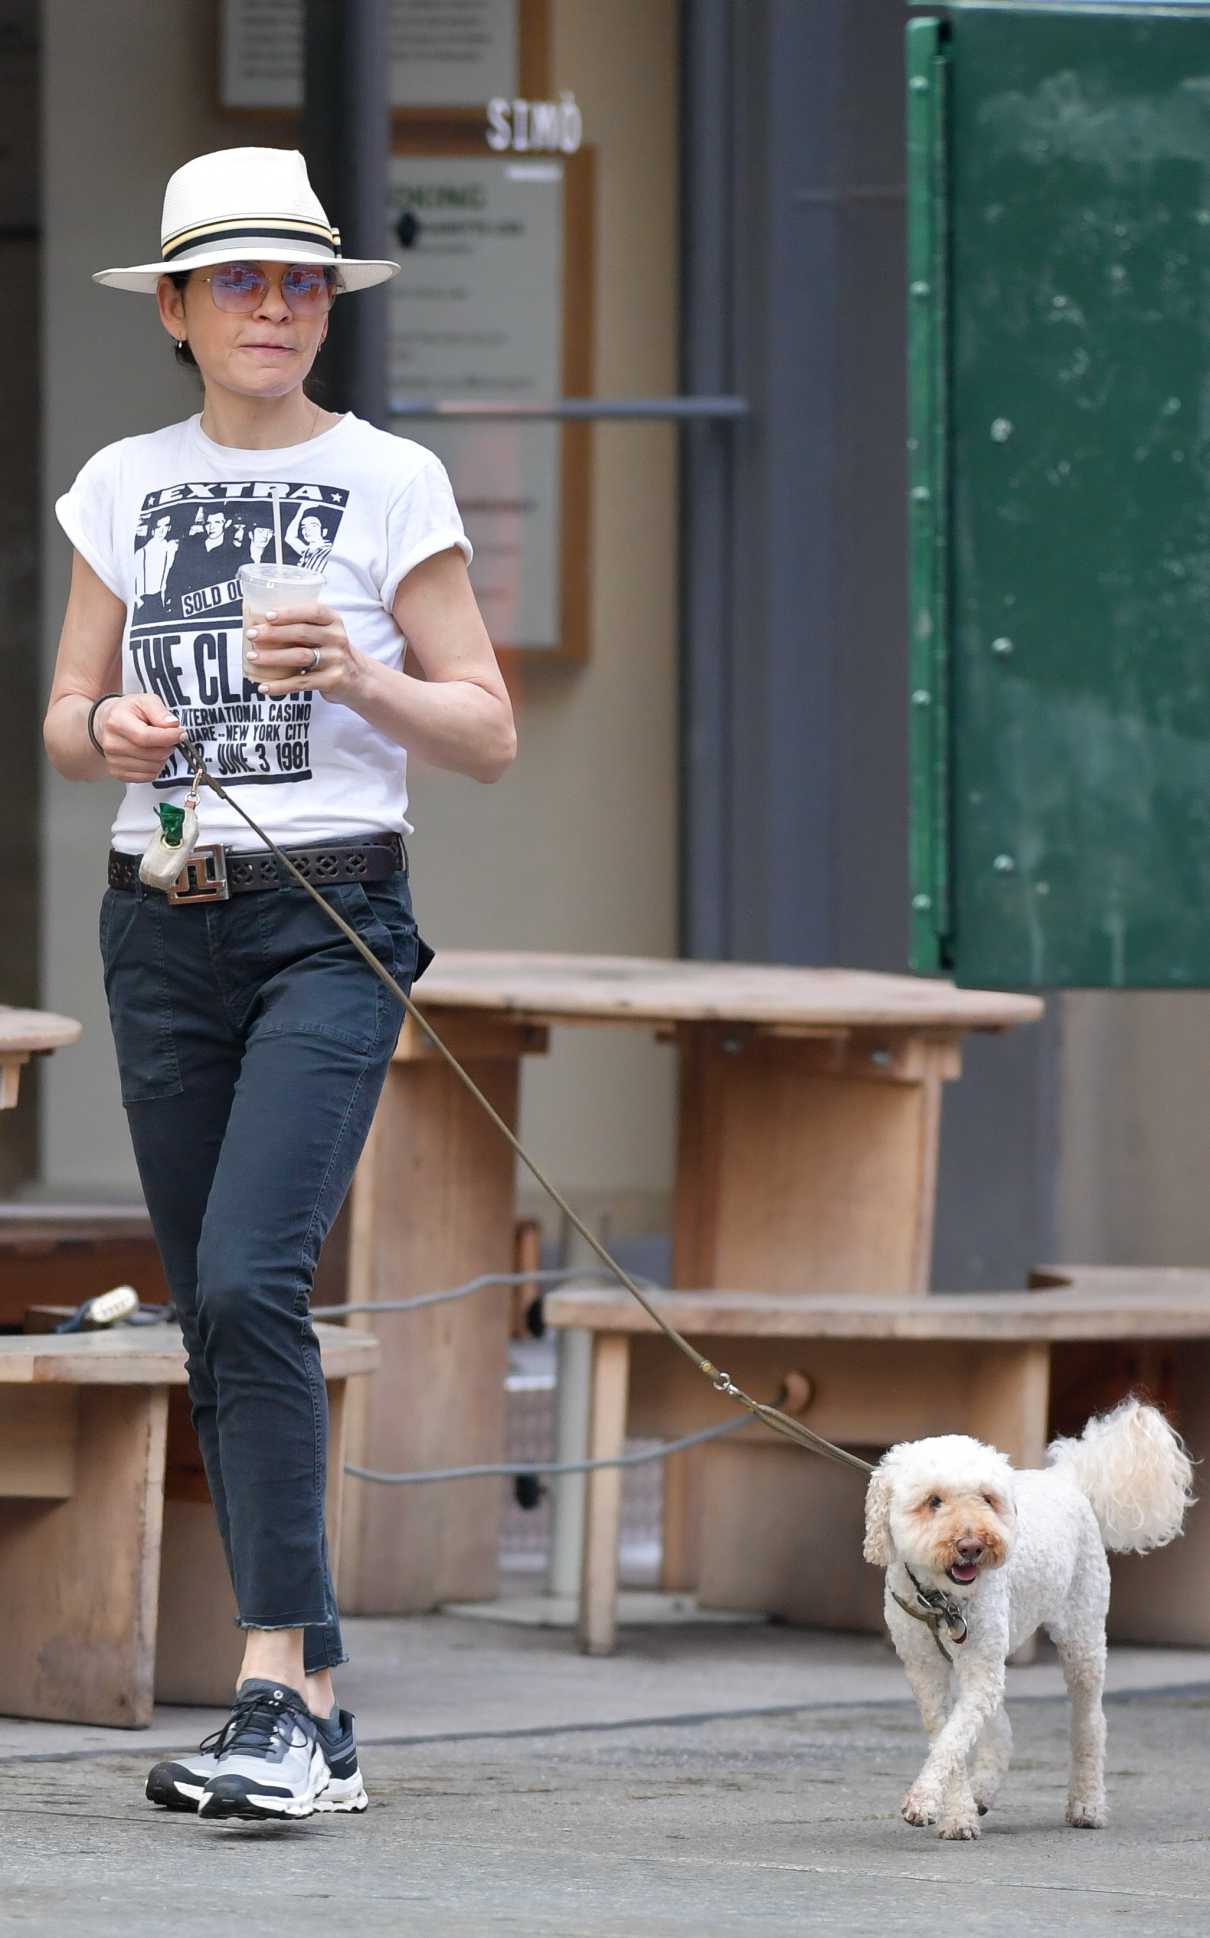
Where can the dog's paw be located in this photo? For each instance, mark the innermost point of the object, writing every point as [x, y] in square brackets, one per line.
[965, 1828]
[1087, 1813]
[922, 1805]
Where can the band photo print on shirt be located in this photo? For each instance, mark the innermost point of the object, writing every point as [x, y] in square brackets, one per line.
[186, 628]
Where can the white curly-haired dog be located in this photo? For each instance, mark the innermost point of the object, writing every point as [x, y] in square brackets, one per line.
[979, 1555]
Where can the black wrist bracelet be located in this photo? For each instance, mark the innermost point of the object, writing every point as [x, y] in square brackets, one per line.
[92, 714]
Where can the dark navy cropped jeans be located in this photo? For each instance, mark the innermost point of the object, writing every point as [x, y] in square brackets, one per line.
[252, 1043]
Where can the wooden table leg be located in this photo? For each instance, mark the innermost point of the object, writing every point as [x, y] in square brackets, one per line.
[10, 1080]
[808, 1164]
[433, 1206]
[603, 1507]
[804, 1164]
[681, 1549]
[1007, 1400]
[80, 1574]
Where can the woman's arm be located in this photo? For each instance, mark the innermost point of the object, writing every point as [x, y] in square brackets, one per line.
[136, 730]
[458, 716]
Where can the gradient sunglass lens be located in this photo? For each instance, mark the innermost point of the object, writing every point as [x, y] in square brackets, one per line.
[305, 289]
[236, 287]
[241, 287]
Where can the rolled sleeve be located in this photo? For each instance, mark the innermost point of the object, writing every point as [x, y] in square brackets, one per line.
[423, 521]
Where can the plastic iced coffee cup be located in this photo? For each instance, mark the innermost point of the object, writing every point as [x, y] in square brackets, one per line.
[276, 588]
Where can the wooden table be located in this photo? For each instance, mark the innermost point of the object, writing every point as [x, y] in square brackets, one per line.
[810, 1106]
[23, 1032]
[115, 1588]
[785, 1526]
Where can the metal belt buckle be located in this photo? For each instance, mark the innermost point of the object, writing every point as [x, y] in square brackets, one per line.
[203, 878]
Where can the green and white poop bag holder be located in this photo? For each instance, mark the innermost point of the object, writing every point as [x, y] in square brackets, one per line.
[172, 844]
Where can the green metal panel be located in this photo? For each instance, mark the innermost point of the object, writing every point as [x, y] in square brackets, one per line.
[1078, 426]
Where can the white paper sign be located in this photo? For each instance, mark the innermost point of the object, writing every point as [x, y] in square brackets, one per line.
[444, 53]
[477, 313]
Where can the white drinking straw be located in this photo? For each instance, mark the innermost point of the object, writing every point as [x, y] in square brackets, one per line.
[277, 526]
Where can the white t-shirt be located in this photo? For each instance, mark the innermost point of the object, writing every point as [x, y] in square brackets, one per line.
[166, 521]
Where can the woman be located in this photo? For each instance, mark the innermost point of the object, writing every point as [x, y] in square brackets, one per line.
[252, 1040]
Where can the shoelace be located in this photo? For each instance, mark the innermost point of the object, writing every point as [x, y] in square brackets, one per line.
[252, 1724]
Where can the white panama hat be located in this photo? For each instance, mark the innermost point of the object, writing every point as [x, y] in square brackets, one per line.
[245, 205]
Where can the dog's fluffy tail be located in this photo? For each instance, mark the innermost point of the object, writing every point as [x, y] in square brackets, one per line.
[1135, 1472]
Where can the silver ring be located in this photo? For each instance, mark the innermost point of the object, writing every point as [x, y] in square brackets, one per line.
[316, 657]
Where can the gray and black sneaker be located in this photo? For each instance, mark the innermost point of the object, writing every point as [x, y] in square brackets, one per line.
[269, 1758]
[338, 1736]
[178, 1782]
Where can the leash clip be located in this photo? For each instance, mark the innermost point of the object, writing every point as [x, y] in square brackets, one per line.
[194, 759]
[939, 1608]
[943, 1608]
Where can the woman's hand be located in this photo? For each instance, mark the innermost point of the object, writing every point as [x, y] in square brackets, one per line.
[283, 651]
[137, 733]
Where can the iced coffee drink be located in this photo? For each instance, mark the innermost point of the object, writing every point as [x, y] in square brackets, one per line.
[275, 588]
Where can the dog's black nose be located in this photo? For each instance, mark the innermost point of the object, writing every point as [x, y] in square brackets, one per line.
[969, 1549]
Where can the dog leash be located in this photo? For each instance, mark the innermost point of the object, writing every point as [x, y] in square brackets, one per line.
[937, 1609]
[770, 1416]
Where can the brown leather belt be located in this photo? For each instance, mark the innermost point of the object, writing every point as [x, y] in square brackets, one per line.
[214, 873]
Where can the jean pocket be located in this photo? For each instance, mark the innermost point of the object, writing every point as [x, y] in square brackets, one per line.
[377, 917]
[389, 906]
[383, 918]
[137, 989]
[318, 984]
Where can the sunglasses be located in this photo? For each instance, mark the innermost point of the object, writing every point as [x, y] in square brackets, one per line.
[241, 287]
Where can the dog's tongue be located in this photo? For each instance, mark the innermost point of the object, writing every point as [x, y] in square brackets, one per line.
[963, 1571]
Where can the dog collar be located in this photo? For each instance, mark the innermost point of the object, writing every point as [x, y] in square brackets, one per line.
[936, 1608]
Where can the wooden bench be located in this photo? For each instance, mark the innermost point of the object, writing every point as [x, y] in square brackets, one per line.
[108, 1544]
[780, 1529]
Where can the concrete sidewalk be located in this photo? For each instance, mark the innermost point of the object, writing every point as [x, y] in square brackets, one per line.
[705, 1781]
